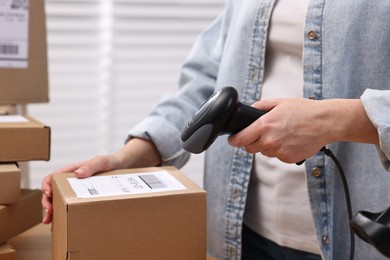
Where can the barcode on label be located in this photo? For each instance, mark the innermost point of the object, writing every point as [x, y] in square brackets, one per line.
[9, 49]
[93, 191]
[19, 4]
[152, 181]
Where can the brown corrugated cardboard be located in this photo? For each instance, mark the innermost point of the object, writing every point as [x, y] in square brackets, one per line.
[29, 85]
[7, 109]
[24, 141]
[19, 217]
[33, 244]
[9, 183]
[7, 252]
[163, 225]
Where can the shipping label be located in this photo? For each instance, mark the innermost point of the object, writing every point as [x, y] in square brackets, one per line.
[14, 33]
[122, 184]
[13, 119]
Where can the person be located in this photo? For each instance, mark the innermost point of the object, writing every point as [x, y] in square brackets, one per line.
[321, 69]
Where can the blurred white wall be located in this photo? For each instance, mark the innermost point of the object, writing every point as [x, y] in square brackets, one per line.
[110, 61]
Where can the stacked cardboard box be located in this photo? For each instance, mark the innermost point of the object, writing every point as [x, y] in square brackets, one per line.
[7, 252]
[23, 53]
[33, 244]
[23, 138]
[149, 213]
[23, 80]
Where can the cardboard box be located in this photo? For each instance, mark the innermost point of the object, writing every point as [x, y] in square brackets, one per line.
[156, 225]
[7, 109]
[9, 183]
[19, 217]
[33, 244]
[7, 252]
[23, 138]
[27, 84]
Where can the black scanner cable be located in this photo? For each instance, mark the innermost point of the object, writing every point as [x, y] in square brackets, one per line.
[330, 154]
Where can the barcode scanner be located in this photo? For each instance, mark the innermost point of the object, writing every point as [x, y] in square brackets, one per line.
[374, 228]
[221, 114]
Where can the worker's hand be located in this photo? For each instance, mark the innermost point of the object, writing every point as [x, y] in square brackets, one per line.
[81, 170]
[293, 130]
[135, 154]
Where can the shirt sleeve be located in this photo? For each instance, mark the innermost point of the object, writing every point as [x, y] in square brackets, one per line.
[377, 105]
[198, 77]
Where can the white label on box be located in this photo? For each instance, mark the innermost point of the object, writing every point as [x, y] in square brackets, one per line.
[122, 184]
[14, 33]
[13, 119]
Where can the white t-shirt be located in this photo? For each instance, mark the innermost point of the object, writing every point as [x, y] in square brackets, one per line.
[278, 204]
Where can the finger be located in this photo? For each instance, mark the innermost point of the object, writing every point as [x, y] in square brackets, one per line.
[47, 191]
[46, 186]
[253, 148]
[80, 169]
[248, 135]
[266, 104]
[92, 166]
[69, 168]
[46, 182]
[47, 208]
[86, 170]
[47, 218]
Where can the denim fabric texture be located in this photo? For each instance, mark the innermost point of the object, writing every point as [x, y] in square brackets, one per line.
[255, 247]
[346, 55]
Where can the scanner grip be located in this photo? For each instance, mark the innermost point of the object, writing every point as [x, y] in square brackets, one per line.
[244, 116]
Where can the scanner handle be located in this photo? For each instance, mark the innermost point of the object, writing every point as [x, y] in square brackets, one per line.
[244, 116]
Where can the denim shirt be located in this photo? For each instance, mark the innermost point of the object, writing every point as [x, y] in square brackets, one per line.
[346, 55]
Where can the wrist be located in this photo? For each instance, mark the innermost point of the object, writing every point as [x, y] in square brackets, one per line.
[138, 153]
[348, 122]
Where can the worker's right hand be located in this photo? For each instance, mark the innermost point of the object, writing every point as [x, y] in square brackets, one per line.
[81, 170]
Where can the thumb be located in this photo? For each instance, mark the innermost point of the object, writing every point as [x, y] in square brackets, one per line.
[94, 165]
[266, 104]
[82, 172]
[86, 169]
